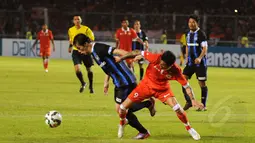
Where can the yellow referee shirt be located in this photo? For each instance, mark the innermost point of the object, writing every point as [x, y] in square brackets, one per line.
[183, 40]
[73, 31]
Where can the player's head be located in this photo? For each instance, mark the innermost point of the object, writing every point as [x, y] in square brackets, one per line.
[137, 25]
[124, 23]
[44, 27]
[77, 20]
[193, 22]
[167, 60]
[83, 43]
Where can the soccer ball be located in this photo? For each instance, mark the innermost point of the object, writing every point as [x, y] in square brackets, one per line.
[53, 119]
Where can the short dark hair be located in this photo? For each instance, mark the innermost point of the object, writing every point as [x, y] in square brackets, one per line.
[168, 57]
[195, 17]
[81, 39]
[124, 19]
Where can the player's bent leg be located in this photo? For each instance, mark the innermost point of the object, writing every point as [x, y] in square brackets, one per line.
[80, 77]
[77, 60]
[181, 114]
[90, 77]
[186, 96]
[123, 110]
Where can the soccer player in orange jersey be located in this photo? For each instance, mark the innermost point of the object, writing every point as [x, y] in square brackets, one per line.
[124, 37]
[45, 36]
[161, 69]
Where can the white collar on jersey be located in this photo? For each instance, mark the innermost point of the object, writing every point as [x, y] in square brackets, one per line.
[125, 30]
[195, 31]
[139, 31]
[92, 48]
[45, 31]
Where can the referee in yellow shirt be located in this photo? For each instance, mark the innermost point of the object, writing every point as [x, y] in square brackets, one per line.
[79, 58]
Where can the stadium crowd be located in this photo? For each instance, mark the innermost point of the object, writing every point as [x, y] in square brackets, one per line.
[226, 20]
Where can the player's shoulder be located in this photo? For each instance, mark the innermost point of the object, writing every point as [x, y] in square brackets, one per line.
[176, 69]
[71, 28]
[85, 27]
[119, 30]
[202, 32]
[133, 30]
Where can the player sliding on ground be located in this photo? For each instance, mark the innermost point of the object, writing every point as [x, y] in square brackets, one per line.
[161, 69]
[123, 79]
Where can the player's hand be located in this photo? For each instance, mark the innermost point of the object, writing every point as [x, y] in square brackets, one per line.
[70, 50]
[106, 87]
[197, 104]
[106, 91]
[146, 46]
[117, 59]
[137, 58]
[197, 61]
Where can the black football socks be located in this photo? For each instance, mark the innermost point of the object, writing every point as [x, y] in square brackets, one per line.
[80, 77]
[204, 94]
[90, 77]
[133, 122]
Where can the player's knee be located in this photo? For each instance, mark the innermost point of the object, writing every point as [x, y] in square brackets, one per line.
[202, 83]
[177, 108]
[77, 68]
[89, 69]
[122, 109]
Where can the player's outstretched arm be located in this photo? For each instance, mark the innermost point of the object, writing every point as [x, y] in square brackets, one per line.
[190, 92]
[125, 55]
[106, 84]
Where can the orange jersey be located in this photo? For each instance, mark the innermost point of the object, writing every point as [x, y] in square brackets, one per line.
[45, 38]
[158, 78]
[125, 38]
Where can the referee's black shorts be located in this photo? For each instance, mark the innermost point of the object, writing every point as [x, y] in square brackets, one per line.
[121, 93]
[79, 58]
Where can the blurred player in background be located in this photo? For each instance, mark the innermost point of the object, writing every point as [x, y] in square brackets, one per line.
[123, 79]
[45, 36]
[161, 69]
[138, 46]
[183, 43]
[124, 37]
[196, 59]
[79, 58]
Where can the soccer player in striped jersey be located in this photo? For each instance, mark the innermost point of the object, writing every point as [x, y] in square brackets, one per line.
[196, 51]
[123, 79]
[138, 46]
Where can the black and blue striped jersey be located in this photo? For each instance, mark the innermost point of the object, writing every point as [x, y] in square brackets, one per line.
[195, 41]
[138, 46]
[119, 72]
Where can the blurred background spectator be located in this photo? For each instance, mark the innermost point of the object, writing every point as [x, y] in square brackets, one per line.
[223, 20]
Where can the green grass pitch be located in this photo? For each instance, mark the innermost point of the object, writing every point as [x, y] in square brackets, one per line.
[27, 93]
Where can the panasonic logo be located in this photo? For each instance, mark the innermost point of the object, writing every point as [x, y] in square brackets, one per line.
[231, 60]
